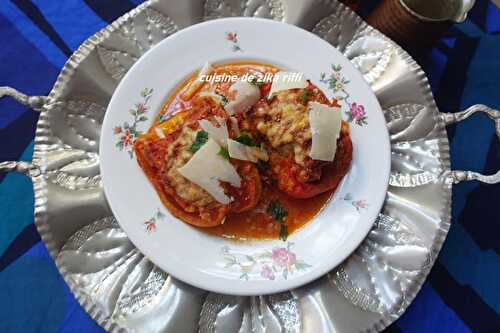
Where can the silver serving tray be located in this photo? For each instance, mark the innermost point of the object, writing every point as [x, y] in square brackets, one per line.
[123, 291]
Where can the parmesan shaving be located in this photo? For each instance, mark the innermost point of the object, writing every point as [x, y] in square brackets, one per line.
[207, 169]
[219, 134]
[214, 96]
[243, 152]
[159, 132]
[235, 126]
[325, 122]
[286, 81]
[195, 85]
[245, 96]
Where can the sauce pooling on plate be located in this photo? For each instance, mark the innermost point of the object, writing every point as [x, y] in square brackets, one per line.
[243, 156]
[260, 224]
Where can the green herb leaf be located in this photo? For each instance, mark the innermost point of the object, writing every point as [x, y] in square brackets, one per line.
[257, 83]
[277, 211]
[283, 232]
[224, 152]
[225, 101]
[246, 139]
[201, 139]
[306, 94]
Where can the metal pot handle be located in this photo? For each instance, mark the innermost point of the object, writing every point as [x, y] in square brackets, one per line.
[36, 103]
[458, 176]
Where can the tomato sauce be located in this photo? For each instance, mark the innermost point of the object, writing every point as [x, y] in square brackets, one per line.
[258, 224]
[175, 103]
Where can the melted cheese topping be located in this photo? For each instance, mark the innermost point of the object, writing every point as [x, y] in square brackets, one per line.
[285, 123]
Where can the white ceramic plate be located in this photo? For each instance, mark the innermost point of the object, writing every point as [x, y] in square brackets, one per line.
[214, 263]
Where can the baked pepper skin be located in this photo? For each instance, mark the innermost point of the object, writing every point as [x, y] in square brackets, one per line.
[151, 151]
[285, 172]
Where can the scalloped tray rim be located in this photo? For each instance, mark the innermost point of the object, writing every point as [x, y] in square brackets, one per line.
[40, 183]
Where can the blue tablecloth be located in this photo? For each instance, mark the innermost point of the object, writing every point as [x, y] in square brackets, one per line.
[462, 293]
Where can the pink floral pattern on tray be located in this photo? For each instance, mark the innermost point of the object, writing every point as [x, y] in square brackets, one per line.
[358, 204]
[337, 83]
[279, 262]
[128, 132]
[232, 36]
[150, 224]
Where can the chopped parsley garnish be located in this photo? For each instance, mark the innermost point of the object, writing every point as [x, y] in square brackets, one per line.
[201, 139]
[224, 152]
[306, 94]
[257, 83]
[246, 139]
[279, 213]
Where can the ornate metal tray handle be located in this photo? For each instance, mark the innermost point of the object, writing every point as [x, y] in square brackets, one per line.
[458, 176]
[25, 168]
[36, 103]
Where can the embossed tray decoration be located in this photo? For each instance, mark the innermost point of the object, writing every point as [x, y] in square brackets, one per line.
[123, 291]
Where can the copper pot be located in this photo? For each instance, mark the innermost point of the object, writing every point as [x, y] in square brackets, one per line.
[417, 24]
